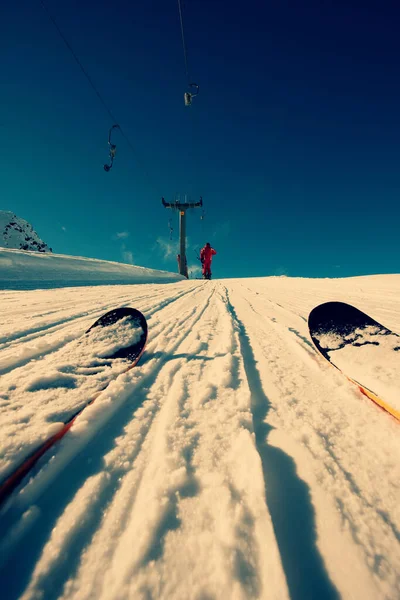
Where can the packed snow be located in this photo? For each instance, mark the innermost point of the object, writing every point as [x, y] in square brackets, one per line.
[379, 350]
[232, 462]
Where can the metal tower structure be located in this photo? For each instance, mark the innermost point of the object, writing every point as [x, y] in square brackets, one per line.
[182, 207]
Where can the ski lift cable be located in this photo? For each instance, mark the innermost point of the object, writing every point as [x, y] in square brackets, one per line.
[86, 74]
[193, 87]
[183, 41]
[82, 68]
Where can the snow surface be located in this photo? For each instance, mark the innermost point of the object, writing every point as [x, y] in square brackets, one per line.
[18, 233]
[31, 270]
[380, 351]
[232, 462]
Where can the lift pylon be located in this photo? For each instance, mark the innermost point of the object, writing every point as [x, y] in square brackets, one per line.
[182, 207]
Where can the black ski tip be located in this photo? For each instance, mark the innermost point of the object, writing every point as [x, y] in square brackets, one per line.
[133, 352]
[339, 317]
[117, 314]
[344, 321]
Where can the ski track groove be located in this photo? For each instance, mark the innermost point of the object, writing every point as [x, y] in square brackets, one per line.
[148, 379]
[304, 546]
[162, 528]
[73, 322]
[270, 354]
[324, 374]
[43, 328]
[27, 334]
[47, 366]
[113, 484]
[184, 413]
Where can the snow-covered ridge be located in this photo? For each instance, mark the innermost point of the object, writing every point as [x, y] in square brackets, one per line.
[28, 270]
[19, 234]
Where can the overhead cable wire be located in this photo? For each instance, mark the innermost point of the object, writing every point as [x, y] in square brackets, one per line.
[86, 74]
[183, 40]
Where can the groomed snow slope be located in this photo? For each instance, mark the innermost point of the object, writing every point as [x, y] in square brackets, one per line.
[31, 270]
[232, 462]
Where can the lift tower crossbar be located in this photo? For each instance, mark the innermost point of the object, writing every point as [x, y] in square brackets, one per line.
[182, 207]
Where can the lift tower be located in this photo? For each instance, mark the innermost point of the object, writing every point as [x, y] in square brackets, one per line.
[182, 207]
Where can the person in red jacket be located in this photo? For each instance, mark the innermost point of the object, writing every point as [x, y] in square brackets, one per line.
[206, 255]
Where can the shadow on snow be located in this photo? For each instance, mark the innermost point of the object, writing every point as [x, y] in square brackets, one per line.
[16, 572]
[288, 497]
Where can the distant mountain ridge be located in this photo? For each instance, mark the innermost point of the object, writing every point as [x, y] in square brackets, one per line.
[16, 233]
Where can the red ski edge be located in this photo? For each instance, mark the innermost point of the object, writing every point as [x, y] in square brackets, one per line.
[12, 482]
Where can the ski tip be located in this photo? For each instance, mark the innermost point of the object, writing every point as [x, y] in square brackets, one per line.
[136, 320]
[333, 310]
[338, 316]
[117, 314]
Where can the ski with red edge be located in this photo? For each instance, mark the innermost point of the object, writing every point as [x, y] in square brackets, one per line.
[365, 351]
[120, 335]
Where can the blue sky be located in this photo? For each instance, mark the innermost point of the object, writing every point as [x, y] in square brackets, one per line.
[293, 141]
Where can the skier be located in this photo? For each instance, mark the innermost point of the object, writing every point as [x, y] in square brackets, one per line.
[206, 255]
